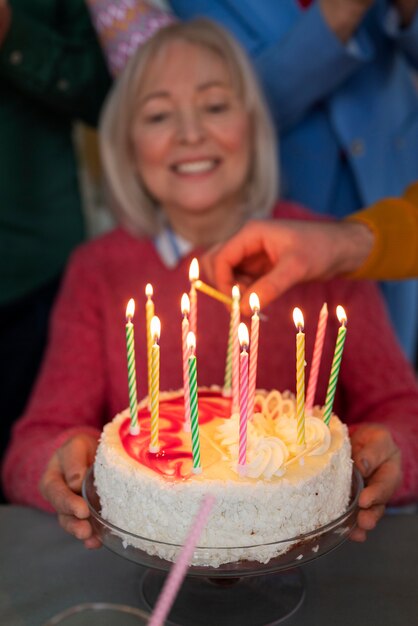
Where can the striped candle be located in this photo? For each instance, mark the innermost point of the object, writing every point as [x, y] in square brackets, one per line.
[316, 358]
[300, 376]
[155, 385]
[193, 277]
[212, 292]
[235, 350]
[243, 399]
[336, 364]
[227, 390]
[130, 352]
[255, 325]
[185, 327]
[149, 314]
[194, 408]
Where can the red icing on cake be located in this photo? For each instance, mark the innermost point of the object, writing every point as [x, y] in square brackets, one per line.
[174, 460]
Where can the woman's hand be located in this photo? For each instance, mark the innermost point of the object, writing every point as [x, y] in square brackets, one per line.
[379, 460]
[61, 486]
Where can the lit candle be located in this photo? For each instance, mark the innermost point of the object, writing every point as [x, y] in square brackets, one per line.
[212, 292]
[149, 314]
[193, 277]
[243, 398]
[336, 363]
[300, 376]
[130, 352]
[255, 325]
[194, 409]
[185, 327]
[155, 384]
[316, 358]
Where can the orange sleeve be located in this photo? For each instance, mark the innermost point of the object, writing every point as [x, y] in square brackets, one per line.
[394, 222]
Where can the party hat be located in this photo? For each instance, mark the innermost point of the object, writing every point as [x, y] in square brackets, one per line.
[123, 25]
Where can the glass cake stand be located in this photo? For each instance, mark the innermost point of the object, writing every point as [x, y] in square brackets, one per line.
[235, 593]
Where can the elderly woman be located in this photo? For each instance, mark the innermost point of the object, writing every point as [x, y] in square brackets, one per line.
[189, 156]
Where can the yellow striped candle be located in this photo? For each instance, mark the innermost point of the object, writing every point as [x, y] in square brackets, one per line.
[255, 325]
[336, 363]
[185, 327]
[212, 292]
[300, 376]
[149, 314]
[193, 277]
[194, 408]
[130, 352]
[155, 384]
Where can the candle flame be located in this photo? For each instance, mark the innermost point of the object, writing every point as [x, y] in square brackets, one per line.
[149, 290]
[298, 318]
[191, 341]
[130, 310]
[254, 303]
[235, 292]
[155, 326]
[185, 304]
[342, 317]
[243, 336]
[194, 270]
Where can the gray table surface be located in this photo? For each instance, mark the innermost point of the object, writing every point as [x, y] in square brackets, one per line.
[43, 571]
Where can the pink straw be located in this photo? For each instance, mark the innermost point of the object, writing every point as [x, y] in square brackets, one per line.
[179, 569]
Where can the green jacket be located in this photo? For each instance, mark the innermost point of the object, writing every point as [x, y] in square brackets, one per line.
[51, 73]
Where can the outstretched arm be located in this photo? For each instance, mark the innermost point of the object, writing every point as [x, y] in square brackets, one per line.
[269, 257]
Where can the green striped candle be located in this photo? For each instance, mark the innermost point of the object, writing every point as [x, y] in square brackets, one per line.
[130, 352]
[336, 363]
[194, 409]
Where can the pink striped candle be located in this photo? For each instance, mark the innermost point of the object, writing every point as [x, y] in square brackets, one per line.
[255, 325]
[185, 327]
[235, 312]
[300, 376]
[193, 277]
[149, 314]
[179, 569]
[243, 399]
[316, 358]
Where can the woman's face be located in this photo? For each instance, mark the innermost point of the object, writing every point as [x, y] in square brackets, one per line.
[191, 134]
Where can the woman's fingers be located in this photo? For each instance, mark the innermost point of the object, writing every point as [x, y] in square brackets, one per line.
[81, 529]
[75, 457]
[54, 489]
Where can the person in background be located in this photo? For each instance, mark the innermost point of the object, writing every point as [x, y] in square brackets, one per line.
[189, 156]
[339, 79]
[52, 72]
[269, 258]
[338, 75]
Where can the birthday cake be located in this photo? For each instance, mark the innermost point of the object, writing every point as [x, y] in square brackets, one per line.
[286, 491]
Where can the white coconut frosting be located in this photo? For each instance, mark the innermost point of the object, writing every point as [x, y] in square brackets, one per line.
[286, 492]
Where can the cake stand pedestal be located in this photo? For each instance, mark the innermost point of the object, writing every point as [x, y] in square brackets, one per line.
[237, 592]
[256, 600]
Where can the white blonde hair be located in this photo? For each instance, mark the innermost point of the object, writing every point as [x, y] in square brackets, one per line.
[133, 206]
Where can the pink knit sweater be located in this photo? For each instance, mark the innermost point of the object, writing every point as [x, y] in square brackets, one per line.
[83, 381]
